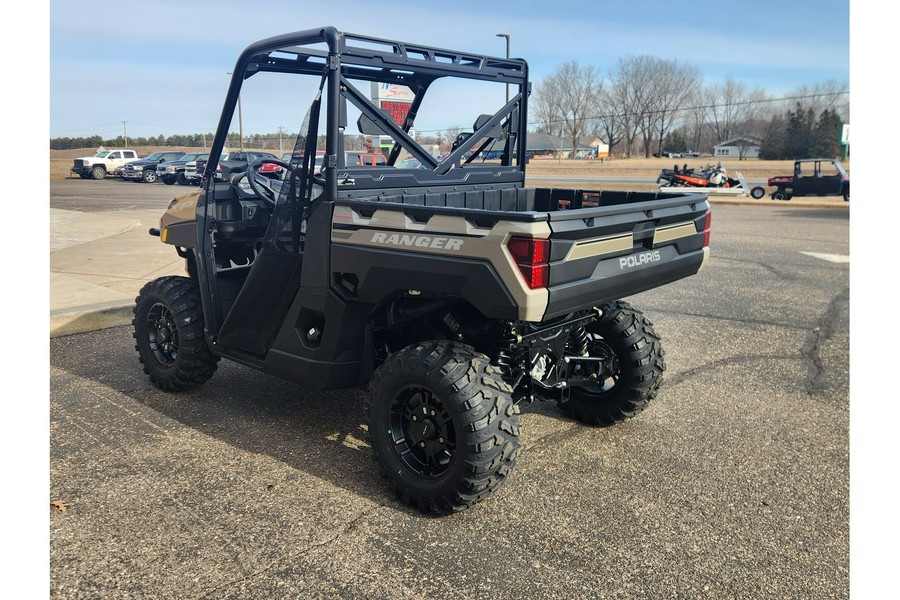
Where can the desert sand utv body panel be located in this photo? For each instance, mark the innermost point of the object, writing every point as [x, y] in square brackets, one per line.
[452, 290]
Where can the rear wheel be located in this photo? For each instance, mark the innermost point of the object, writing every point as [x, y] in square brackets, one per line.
[625, 339]
[168, 333]
[757, 193]
[780, 195]
[443, 425]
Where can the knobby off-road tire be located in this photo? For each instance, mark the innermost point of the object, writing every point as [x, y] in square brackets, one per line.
[442, 425]
[629, 336]
[168, 333]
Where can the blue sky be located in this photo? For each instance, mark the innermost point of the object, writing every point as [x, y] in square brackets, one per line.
[161, 66]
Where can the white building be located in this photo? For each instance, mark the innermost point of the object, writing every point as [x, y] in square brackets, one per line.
[737, 148]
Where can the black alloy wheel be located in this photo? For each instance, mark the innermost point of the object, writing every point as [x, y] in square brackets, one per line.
[422, 431]
[169, 335]
[442, 425]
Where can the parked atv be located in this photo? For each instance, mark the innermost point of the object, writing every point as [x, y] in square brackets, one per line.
[813, 177]
[448, 287]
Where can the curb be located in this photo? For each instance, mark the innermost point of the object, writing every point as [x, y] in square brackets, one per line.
[90, 317]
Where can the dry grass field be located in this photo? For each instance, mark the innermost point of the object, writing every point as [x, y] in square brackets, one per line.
[61, 162]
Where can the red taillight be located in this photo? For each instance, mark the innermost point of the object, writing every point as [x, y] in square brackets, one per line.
[532, 256]
[706, 228]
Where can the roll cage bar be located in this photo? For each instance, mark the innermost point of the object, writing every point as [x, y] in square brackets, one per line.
[343, 57]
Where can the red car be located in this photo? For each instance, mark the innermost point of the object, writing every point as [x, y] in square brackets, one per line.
[273, 170]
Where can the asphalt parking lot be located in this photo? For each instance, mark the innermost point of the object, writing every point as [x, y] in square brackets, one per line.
[734, 483]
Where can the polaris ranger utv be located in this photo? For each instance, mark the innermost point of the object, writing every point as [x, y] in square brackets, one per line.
[451, 289]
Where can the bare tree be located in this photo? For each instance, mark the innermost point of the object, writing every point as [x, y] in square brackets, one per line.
[546, 105]
[676, 84]
[729, 107]
[624, 99]
[610, 123]
[652, 93]
[830, 95]
[569, 97]
[636, 77]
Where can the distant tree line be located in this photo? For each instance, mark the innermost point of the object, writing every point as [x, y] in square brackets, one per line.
[645, 105]
[269, 141]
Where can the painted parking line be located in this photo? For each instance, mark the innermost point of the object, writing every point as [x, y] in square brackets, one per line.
[835, 258]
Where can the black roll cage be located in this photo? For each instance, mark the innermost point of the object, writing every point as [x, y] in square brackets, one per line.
[357, 57]
[338, 58]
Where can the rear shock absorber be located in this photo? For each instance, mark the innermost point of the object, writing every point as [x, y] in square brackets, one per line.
[578, 342]
[503, 358]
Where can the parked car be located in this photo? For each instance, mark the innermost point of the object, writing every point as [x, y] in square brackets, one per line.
[102, 163]
[273, 170]
[145, 168]
[367, 159]
[237, 163]
[193, 169]
[410, 163]
[171, 172]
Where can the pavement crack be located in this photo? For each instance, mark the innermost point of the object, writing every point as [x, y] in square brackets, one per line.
[717, 364]
[730, 319]
[552, 438]
[757, 263]
[815, 339]
[349, 527]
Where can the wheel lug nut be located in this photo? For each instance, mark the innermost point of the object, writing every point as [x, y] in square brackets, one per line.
[422, 444]
[415, 418]
[440, 440]
[433, 412]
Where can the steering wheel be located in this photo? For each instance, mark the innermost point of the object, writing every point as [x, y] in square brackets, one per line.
[264, 191]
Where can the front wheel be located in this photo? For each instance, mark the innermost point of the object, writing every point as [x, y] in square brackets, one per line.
[757, 192]
[442, 425]
[168, 180]
[149, 176]
[846, 194]
[98, 172]
[625, 339]
[180, 179]
[168, 333]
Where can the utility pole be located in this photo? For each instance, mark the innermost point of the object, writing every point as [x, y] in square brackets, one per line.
[506, 35]
[280, 141]
[124, 125]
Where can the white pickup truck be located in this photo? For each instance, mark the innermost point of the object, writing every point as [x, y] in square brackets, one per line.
[102, 163]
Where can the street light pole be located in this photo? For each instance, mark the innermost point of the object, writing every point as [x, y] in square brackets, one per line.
[506, 35]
